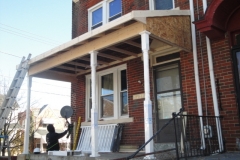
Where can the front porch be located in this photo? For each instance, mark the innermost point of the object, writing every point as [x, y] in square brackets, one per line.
[138, 37]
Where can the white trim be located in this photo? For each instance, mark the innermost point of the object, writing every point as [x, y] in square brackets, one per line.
[172, 60]
[116, 71]
[112, 121]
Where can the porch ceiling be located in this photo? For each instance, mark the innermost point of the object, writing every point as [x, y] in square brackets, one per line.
[116, 42]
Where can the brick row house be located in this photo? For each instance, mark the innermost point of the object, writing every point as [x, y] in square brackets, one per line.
[134, 62]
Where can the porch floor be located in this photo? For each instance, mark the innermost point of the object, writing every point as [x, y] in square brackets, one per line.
[103, 156]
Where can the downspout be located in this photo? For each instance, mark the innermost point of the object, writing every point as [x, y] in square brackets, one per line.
[213, 86]
[194, 44]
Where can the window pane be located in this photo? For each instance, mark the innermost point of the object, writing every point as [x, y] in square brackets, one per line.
[107, 84]
[168, 103]
[107, 106]
[163, 4]
[124, 103]
[123, 80]
[238, 64]
[115, 7]
[167, 79]
[90, 88]
[97, 16]
[90, 107]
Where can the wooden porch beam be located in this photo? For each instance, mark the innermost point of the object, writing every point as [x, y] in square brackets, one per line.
[88, 59]
[110, 39]
[133, 44]
[122, 51]
[110, 56]
[79, 64]
[55, 75]
[69, 68]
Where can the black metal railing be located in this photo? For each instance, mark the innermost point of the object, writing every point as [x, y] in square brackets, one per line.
[194, 136]
[199, 135]
[164, 126]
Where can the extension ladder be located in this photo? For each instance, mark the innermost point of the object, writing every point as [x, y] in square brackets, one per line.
[12, 93]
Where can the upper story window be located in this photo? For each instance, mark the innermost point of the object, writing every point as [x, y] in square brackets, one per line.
[104, 12]
[161, 4]
[97, 19]
[111, 93]
[115, 9]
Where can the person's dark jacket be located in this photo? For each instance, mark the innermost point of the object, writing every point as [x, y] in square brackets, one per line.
[52, 138]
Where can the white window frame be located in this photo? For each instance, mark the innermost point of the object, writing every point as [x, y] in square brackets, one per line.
[116, 95]
[105, 8]
[152, 4]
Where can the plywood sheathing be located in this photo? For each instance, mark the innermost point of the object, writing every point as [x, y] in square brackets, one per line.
[174, 30]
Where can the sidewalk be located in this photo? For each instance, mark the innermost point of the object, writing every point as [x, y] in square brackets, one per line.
[222, 156]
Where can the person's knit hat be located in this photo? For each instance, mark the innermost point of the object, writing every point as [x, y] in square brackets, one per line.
[50, 128]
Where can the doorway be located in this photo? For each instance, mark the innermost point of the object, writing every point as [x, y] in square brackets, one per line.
[168, 98]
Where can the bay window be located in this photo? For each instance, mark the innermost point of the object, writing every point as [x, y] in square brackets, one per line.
[111, 93]
[104, 12]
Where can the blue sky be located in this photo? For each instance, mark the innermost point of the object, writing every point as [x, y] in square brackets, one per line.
[31, 26]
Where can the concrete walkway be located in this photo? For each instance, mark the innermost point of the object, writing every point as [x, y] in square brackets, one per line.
[222, 156]
[121, 156]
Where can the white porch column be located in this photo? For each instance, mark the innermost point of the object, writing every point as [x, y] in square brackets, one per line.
[27, 121]
[147, 102]
[41, 144]
[94, 110]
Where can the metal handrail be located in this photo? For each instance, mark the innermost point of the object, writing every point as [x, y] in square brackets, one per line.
[174, 116]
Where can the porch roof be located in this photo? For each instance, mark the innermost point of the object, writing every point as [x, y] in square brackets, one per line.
[116, 42]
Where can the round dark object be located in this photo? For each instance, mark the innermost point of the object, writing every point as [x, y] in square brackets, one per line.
[66, 112]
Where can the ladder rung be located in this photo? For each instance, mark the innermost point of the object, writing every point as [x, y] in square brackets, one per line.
[10, 98]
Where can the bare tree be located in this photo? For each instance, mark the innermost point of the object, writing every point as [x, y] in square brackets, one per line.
[14, 127]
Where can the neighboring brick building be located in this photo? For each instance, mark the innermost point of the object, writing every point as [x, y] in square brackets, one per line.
[148, 60]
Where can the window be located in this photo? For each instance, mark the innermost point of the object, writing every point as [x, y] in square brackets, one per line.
[115, 9]
[38, 145]
[168, 90]
[111, 93]
[161, 4]
[104, 12]
[97, 18]
[236, 67]
[107, 93]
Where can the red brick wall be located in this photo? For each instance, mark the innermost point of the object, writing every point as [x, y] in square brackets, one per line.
[129, 5]
[223, 71]
[133, 133]
[78, 99]
[80, 13]
[188, 83]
